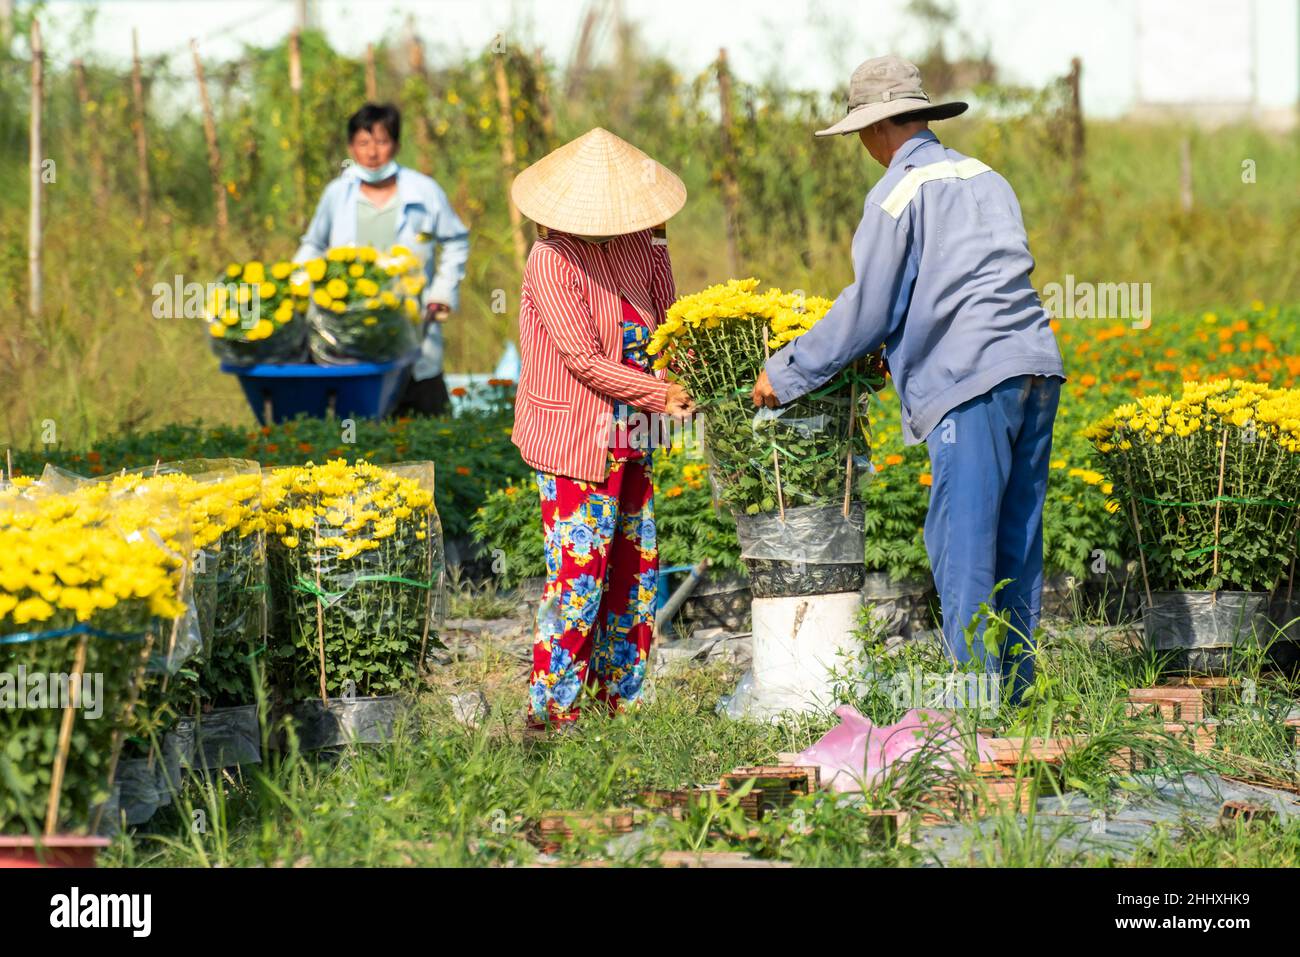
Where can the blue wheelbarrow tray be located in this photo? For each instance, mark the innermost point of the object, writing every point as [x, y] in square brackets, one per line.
[278, 392]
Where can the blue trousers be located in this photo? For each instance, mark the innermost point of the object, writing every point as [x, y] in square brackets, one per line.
[990, 458]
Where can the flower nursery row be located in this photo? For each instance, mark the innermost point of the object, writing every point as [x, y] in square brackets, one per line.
[1108, 363]
[173, 594]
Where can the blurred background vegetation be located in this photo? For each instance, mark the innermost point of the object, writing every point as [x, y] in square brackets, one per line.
[96, 362]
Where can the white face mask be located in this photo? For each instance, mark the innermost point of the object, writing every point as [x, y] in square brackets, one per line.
[368, 175]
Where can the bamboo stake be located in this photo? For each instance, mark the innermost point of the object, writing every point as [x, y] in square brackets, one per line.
[1218, 504]
[848, 455]
[776, 459]
[1185, 173]
[508, 158]
[730, 188]
[65, 738]
[141, 137]
[214, 149]
[36, 228]
[90, 133]
[320, 631]
[372, 85]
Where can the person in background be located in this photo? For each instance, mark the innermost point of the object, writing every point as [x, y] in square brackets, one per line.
[597, 283]
[377, 202]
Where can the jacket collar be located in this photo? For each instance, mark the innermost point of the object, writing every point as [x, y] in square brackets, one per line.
[914, 143]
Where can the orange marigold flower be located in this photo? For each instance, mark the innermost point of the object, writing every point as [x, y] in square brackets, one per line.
[462, 470]
[926, 479]
[458, 391]
[893, 459]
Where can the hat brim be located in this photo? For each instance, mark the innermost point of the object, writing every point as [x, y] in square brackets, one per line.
[864, 116]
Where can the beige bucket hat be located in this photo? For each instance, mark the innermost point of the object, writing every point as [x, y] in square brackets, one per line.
[598, 185]
[886, 86]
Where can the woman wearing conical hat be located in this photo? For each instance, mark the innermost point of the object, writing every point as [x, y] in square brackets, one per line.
[597, 282]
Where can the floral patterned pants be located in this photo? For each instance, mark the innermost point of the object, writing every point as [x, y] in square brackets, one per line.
[596, 618]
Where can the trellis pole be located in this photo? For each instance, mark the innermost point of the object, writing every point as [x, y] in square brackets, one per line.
[214, 149]
[35, 292]
[141, 137]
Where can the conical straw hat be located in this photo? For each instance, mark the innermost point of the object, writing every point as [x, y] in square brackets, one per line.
[598, 185]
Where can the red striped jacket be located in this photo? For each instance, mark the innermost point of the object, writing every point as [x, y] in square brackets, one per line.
[571, 346]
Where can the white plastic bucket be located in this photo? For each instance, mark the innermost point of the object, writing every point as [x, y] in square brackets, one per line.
[798, 642]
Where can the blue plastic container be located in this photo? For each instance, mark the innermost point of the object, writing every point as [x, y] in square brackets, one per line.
[364, 390]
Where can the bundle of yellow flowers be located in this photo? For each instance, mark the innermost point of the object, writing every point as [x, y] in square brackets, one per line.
[256, 313]
[356, 571]
[365, 304]
[1210, 481]
[86, 589]
[716, 342]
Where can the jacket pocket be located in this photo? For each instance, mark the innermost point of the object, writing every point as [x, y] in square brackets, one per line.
[546, 402]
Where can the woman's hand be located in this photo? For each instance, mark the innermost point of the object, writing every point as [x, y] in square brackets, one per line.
[679, 402]
[764, 394]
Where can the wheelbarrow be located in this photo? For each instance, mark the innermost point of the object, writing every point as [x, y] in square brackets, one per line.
[365, 390]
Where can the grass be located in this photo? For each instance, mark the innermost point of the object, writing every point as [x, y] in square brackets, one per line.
[445, 794]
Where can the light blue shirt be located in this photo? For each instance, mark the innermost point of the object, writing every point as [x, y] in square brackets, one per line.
[941, 269]
[425, 221]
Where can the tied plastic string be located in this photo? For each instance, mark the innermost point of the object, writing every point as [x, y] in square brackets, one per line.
[1221, 498]
[307, 586]
[23, 637]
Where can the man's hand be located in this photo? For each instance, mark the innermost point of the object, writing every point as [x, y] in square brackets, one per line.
[764, 394]
[437, 312]
[679, 402]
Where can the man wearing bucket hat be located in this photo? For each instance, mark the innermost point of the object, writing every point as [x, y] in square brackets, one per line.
[597, 283]
[941, 286]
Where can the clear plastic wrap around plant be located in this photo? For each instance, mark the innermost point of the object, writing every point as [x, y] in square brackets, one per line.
[362, 334]
[796, 455]
[288, 344]
[137, 514]
[1204, 619]
[357, 576]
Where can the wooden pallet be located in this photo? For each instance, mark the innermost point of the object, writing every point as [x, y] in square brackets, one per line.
[1167, 702]
[989, 795]
[1201, 738]
[781, 784]
[556, 828]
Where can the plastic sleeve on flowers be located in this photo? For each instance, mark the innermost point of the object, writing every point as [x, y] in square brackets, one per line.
[566, 316]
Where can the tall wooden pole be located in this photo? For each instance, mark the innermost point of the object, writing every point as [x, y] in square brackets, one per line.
[214, 149]
[1185, 173]
[35, 291]
[1076, 122]
[295, 119]
[141, 138]
[90, 134]
[508, 159]
[730, 187]
[372, 85]
[544, 98]
[423, 135]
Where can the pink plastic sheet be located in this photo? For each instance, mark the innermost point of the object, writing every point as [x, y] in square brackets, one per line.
[857, 752]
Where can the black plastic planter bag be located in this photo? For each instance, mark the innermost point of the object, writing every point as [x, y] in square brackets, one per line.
[227, 737]
[1204, 627]
[814, 550]
[345, 721]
